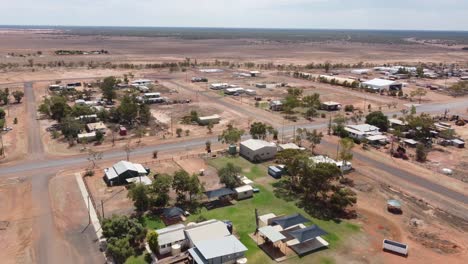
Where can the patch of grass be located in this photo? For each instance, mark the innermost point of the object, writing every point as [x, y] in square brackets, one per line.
[353, 227]
[136, 259]
[252, 171]
[152, 222]
[327, 260]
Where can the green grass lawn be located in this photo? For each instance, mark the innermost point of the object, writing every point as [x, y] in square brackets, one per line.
[242, 214]
[251, 171]
[152, 222]
[136, 260]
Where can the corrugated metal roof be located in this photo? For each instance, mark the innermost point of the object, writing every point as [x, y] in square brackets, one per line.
[171, 234]
[379, 82]
[272, 234]
[256, 144]
[224, 246]
[205, 231]
[308, 233]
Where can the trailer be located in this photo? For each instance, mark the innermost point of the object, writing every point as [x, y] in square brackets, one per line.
[395, 247]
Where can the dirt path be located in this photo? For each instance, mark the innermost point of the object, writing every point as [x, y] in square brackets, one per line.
[35, 147]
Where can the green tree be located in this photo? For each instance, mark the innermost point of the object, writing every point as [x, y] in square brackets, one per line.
[2, 113]
[258, 130]
[179, 132]
[210, 127]
[311, 113]
[123, 226]
[312, 101]
[99, 136]
[421, 153]
[139, 195]
[231, 135]
[107, 88]
[71, 127]
[419, 92]
[378, 119]
[346, 147]
[128, 109]
[55, 107]
[120, 249]
[420, 71]
[181, 184]
[160, 189]
[195, 187]
[228, 175]
[145, 115]
[314, 138]
[18, 95]
[152, 239]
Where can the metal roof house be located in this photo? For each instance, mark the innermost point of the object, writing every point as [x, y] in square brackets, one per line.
[257, 150]
[98, 126]
[362, 131]
[170, 236]
[339, 164]
[123, 170]
[276, 105]
[226, 249]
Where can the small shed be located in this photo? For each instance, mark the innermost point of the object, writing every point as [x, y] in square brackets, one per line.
[410, 143]
[331, 106]
[122, 131]
[86, 137]
[458, 143]
[276, 105]
[275, 171]
[394, 206]
[98, 126]
[205, 120]
[244, 192]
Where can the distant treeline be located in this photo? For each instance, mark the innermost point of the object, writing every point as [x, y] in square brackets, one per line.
[80, 52]
[279, 35]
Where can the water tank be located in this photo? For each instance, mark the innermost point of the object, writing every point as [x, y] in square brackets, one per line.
[232, 149]
[175, 249]
[241, 261]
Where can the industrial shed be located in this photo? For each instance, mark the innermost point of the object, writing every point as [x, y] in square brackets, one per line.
[257, 150]
[123, 170]
[379, 85]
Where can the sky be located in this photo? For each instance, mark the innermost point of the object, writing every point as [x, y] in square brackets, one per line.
[315, 14]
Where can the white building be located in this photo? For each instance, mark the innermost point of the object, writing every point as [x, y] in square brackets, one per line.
[219, 86]
[141, 82]
[362, 131]
[250, 92]
[360, 71]
[244, 192]
[170, 236]
[344, 166]
[289, 146]
[379, 85]
[237, 90]
[257, 150]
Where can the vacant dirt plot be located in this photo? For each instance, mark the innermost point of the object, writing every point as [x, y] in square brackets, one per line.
[209, 179]
[16, 221]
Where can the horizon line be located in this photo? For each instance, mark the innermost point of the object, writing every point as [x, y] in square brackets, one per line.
[252, 28]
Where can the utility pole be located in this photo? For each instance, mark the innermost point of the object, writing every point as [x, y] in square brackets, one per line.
[2, 150]
[102, 209]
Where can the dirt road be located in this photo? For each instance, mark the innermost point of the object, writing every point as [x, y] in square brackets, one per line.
[35, 147]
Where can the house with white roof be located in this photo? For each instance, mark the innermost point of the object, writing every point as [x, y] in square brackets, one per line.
[362, 131]
[379, 85]
[220, 250]
[170, 236]
[207, 230]
[123, 170]
[141, 82]
[257, 150]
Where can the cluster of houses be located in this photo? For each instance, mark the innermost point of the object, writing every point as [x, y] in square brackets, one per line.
[232, 89]
[257, 150]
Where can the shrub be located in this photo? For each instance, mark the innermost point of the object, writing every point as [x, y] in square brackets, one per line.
[349, 108]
